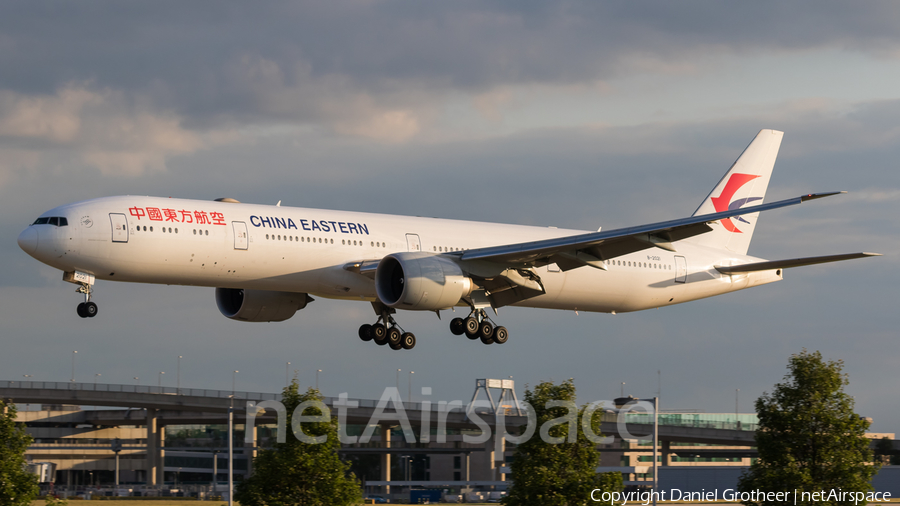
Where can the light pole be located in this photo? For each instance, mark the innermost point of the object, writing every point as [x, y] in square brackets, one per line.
[233, 380]
[178, 376]
[317, 378]
[231, 450]
[287, 367]
[26, 376]
[409, 394]
[137, 381]
[398, 381]
[159, 379]
[622, 392]
[74, 352]
[95, 380]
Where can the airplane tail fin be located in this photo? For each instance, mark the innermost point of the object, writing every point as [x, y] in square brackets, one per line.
[743, 185]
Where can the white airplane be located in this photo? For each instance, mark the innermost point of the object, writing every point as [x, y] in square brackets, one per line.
[265, 261]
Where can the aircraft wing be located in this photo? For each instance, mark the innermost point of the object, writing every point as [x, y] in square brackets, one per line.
[794, 262]
[593, 248]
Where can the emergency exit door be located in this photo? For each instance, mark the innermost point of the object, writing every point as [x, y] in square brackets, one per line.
[680, 269]
[240, 234]
[413, 243]
[119, 227]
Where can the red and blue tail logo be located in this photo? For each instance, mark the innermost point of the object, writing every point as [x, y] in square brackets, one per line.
[723, 201]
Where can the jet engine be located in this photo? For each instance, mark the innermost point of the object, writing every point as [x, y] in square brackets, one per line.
[259, 305]
[420, 281]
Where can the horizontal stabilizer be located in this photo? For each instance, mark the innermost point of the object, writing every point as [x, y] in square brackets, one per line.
[794, 262]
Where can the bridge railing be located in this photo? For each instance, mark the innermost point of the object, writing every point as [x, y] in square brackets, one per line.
[637, 418]
[138, 389]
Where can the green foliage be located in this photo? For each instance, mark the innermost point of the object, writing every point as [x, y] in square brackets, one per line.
[18, 487]
[561, 474]
[52, 500]
[809, 438]
[298, 473]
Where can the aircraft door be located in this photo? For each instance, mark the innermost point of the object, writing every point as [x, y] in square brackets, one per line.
[680, 269]
[119, 227]
[413, 243]
[241, 240]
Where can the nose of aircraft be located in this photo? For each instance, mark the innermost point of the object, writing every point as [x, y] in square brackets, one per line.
[28, 240]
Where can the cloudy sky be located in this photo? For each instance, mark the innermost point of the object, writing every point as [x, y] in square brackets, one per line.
[570, 114]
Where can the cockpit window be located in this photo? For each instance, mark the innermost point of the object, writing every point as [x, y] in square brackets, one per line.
[57, 221]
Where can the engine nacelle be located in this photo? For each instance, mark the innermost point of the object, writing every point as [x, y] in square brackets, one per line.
[259, 305]
[420, 281]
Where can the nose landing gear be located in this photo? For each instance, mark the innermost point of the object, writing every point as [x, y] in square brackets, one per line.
[86, 309]
[479, 326]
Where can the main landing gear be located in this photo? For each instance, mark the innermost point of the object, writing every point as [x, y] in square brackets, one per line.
[386, 331]
[86, 309]
[478, 326]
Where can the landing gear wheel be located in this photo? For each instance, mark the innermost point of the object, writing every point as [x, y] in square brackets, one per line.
[393, 336]
[458, 326]
[471, 329]
[395, 346]
[408, 341]
[485, 330]
[379, 334]
[90, 309]
[500, 335]
[487, 339]
[365, 332]
[80, 310]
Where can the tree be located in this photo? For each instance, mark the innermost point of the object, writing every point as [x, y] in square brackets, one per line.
[18, 487]
[809, 438]
[299, 473]
[563, 472]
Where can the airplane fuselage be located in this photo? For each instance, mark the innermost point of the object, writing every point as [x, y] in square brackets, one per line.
[263, 247]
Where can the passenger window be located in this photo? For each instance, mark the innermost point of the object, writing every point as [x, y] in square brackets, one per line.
[207, 232]
[151, 228]
[145, 228]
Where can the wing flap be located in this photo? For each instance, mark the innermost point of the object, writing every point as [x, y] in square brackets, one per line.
[793, 262]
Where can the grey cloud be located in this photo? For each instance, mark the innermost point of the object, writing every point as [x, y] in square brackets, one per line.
[215, 61]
